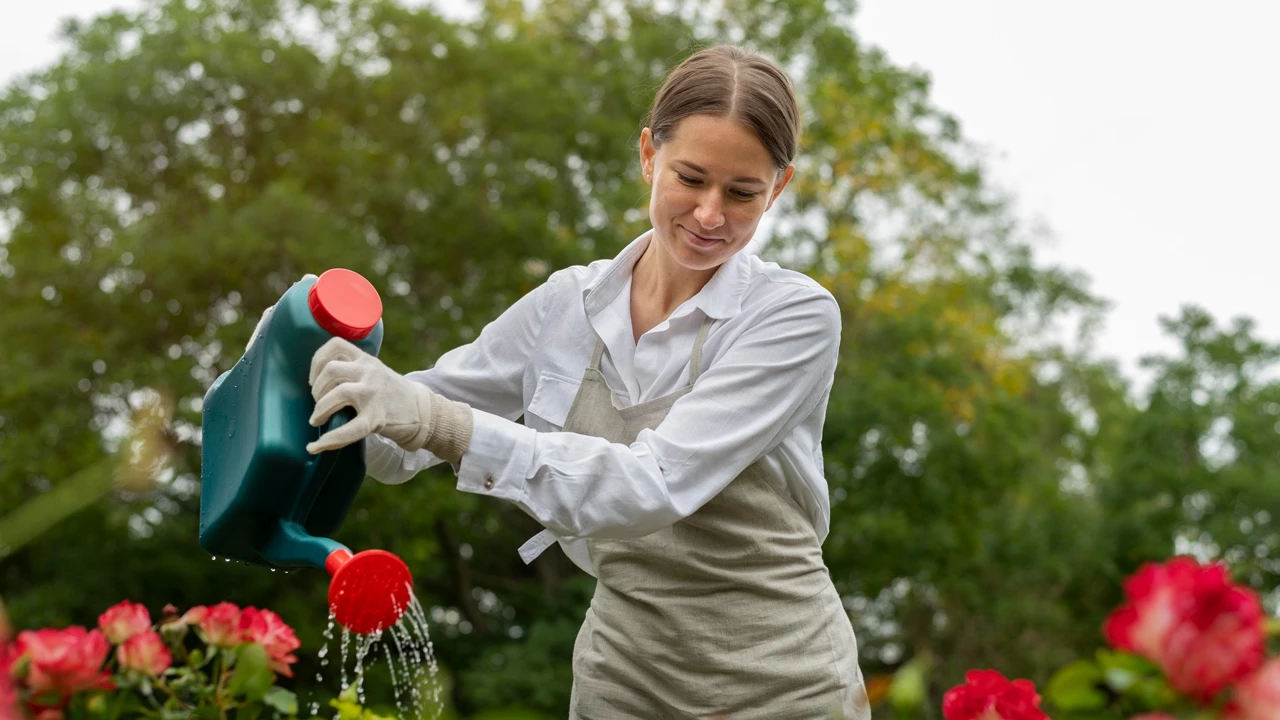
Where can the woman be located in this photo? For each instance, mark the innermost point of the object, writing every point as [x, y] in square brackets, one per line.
[673, 400]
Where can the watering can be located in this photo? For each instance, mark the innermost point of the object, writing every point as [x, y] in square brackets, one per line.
[263, 498]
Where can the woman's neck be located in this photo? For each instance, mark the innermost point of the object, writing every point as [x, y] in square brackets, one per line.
[663, 283]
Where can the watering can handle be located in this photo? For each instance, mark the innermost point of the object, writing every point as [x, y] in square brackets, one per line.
[319, 468]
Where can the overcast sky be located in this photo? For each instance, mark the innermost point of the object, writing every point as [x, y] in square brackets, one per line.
[1143, 134]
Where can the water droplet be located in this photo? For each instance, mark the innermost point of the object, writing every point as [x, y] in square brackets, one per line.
[410, 656]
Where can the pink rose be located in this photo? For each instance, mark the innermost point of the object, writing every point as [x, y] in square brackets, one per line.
[266, 628]
[146, 653]
[190, 617]
[988, 695]
[123, 621]
[1204, 631]
[220, 623]
[65, 661]
[8, 688]
[1258, 696]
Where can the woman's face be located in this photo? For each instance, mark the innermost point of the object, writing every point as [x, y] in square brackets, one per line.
[712, 182]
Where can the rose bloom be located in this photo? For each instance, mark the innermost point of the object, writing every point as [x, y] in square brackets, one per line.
[145, 653]
[220, 623]
[988, 695]
[266, 628]
[1202, 630]
[65, 661]
[1257, 697]
[123, 621]
[8, 688]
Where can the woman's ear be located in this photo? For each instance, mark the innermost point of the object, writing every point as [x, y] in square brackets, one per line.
[783, 178]
[647, 152]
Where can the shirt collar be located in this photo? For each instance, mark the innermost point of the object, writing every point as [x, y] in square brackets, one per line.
[720, 298]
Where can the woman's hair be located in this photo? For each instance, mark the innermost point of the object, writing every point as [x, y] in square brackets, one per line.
[731, 82]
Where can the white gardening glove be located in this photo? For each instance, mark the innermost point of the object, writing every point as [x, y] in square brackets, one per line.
[266, 314]
[386, 403]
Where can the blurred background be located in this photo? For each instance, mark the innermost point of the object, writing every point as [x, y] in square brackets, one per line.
[1049, 227]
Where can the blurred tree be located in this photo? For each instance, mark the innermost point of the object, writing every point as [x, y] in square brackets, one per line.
[171, 175]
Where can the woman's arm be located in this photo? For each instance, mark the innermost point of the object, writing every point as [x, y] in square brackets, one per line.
[486, 374]
[772, 377]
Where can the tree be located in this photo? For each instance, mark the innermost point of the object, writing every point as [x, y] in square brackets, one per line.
[179, 167]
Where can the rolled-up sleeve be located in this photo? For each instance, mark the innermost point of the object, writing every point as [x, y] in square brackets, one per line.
[774, 374]
[486, 374]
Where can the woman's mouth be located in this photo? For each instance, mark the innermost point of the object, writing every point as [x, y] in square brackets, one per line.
[698, 240]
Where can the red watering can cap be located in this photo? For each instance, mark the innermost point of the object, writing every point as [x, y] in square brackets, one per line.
[369, 591]
[345, 304]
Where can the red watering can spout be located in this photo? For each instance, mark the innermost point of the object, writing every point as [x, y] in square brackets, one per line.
[369, 591]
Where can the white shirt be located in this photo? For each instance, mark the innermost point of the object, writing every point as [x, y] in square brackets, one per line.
[768, 363]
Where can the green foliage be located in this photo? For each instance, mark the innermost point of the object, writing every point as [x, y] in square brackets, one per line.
[252, 677]
[179, 167]
[1113, 685]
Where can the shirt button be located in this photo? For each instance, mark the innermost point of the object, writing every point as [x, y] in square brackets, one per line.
[488, 483]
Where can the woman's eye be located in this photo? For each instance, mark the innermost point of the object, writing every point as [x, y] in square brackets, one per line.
[694, 182]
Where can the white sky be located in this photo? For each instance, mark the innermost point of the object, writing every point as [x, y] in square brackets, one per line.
[1143, 133]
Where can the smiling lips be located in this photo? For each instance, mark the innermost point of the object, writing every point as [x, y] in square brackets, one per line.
[702, 239]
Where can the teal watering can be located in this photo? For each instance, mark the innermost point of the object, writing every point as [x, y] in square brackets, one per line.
[263, 498]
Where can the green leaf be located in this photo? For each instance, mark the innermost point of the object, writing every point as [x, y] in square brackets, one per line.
[282, 700]
[1153, 693]
[249, 712]
[1121, 680]
[347, 710]
[1075, 687]
[908, 689]
[252, 676]
[97, 703]
[1111, 659]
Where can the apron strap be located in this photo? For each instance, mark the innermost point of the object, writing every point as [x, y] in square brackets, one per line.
[597, 353]
[695, 364]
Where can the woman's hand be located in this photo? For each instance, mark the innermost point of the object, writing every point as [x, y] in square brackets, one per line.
[386, 403]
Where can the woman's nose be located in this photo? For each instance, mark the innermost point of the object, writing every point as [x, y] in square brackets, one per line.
[710, 211]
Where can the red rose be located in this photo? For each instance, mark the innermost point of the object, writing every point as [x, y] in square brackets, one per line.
[146, 653]
[123, 621]
[220, 623]
[1257, 697]
[8, 688]
[988, 695]
[65, 661]
[266, 628]
[1204, 631]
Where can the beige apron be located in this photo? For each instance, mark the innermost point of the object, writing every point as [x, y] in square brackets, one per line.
[729, 613]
